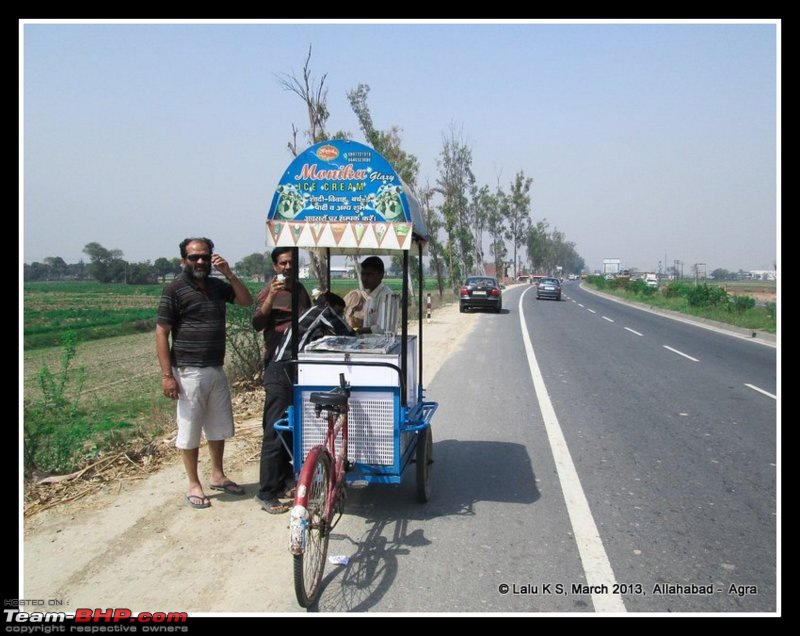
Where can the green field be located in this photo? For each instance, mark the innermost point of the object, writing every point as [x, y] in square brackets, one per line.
[104, 391]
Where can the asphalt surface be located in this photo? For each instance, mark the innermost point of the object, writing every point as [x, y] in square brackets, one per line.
[674, 453]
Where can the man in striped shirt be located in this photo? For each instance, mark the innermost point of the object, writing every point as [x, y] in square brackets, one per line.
[192, 312]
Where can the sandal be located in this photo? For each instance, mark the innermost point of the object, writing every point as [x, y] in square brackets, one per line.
[198, 501]
[273, 506]
[290, 492]
[229, 488]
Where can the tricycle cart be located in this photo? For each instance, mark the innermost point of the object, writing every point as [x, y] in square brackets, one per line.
[345, 198]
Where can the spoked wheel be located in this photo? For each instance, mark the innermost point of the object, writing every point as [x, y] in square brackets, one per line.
[309, 566]
[424, 462]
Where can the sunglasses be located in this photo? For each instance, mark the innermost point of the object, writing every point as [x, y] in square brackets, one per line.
[196, 257]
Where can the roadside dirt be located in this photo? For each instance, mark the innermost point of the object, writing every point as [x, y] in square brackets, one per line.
[134, 543]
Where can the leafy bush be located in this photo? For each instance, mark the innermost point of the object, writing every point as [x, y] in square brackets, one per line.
[740, 304]
[244, 346]
[59, 433]
[705, 296]
[677, 289]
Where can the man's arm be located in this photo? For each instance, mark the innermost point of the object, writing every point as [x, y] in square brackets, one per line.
[242, 295]
[169, 385]
[264, 302]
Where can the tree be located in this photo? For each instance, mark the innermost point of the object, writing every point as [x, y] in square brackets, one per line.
[519, 219]
[455, 182]
[252, 266]
[57, 267]
[314, 96]
[106, 266]
[387, 143]
[141, 273]
[722, 274]
[433, 224]
[496, 213]
[163, 266]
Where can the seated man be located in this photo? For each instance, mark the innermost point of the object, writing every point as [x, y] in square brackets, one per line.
[380, 309]
[276, 477]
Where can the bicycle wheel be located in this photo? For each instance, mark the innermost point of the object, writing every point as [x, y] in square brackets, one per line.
[424, 462]
[309, 566]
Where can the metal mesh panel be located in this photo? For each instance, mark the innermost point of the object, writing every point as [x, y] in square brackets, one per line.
[370, 428]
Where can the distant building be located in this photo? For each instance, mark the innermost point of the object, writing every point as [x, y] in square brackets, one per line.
[763, 274]
[336, 272]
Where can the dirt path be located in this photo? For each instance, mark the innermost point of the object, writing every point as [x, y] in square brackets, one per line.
[135, 544]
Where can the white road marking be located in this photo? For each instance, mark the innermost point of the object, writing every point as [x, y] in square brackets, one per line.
[594, 559]
[680, 353]
[607, 318]
[592, 310]
[755, 388]
[632, 331]
[580, 304]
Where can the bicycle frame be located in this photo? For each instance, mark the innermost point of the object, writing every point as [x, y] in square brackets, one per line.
[337, 426]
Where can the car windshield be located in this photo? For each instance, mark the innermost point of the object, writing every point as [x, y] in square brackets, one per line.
[482, 282]
[549, 281]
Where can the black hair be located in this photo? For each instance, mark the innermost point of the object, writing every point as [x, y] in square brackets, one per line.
[186, 242]
[278, 251]
[334, 300]
[374, 263]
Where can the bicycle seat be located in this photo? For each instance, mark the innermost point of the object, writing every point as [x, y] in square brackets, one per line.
[329, 399]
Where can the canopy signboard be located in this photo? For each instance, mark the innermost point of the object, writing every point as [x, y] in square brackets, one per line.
[343, 195]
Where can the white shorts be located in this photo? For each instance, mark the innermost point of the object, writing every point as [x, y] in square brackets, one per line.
[204, 404]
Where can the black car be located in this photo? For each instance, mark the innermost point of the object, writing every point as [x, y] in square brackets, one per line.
[548, 287]
[481, 291]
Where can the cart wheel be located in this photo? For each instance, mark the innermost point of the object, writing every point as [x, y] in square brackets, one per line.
[424, 461]
[309, 566]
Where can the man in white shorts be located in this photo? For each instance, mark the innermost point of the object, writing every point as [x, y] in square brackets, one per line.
[192, 311]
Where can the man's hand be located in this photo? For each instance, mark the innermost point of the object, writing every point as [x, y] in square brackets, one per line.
[221, 265]
[170, 386]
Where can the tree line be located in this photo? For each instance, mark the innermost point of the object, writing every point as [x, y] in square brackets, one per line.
[109, 266]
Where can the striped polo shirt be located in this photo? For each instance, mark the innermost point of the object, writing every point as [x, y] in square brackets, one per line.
[197, 318]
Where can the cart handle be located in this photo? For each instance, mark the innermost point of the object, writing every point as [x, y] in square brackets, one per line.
[359, 363]
[419, 417]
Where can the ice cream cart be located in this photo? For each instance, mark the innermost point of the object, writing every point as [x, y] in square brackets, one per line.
[343, 197]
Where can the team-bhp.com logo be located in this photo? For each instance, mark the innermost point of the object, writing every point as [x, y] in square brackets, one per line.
[93, 621]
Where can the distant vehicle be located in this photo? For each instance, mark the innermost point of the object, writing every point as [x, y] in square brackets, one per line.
[651, 280]
[573, 277]
[481, 291]
[548, 288]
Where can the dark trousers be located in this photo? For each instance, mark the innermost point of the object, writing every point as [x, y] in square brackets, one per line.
[276, 471]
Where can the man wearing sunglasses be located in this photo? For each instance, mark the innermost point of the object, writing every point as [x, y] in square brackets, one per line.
[192, 311]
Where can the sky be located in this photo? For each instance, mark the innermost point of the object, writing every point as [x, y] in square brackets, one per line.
[647, 142]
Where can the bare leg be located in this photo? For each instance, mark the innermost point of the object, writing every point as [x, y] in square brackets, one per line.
[216, 449]
[190, 459]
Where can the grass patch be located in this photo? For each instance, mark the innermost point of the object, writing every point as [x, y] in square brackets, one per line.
[702, 301]
[67, 424]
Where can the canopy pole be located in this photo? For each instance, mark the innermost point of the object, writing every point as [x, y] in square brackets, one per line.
[420, 285]
[404, 320]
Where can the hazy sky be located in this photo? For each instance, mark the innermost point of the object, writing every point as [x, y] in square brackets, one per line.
[643, 140]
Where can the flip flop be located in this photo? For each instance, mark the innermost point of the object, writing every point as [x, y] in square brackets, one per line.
[231, 488]
[289, 493]
[273, 506]
[198, 502]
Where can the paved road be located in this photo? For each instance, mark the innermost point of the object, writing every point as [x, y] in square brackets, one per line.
[663, 474]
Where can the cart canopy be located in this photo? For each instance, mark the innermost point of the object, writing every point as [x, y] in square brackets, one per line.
[345, 196]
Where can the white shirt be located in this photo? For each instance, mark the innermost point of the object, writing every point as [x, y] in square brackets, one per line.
[380, 311]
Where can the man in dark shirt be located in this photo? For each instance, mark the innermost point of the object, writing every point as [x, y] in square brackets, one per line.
[192, 311]
[276, 477]
[273, 312]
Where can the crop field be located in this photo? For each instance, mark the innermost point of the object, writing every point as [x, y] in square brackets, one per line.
[92, 310]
